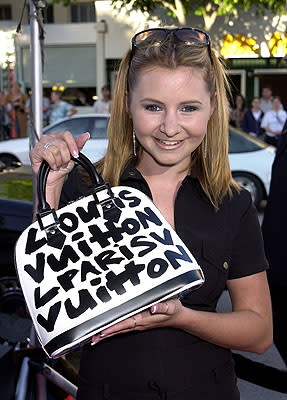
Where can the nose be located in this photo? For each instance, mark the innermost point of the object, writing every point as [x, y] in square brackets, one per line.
[169, 124]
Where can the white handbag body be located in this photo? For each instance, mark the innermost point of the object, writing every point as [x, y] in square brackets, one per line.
[112, 256]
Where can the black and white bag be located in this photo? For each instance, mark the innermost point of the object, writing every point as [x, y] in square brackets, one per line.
[97, 261]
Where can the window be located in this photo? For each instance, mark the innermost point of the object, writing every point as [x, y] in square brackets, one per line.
[240, 143]
[75, 125]
[48, 14]
[84, 12]
[5, 13]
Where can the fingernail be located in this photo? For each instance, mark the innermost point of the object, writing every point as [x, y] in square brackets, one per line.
[75, 153]
[54, 167]
[154, 309]
[102, 334]
[95, 341]
[88, 133]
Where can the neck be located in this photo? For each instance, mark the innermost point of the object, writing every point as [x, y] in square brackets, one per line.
[153, 171]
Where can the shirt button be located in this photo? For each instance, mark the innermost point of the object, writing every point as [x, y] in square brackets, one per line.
[225, 265]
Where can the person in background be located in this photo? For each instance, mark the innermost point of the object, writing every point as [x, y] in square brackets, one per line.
[273, 122]
[59, 109]
[168, 137]
[252, 119]
[266, 99]
[7, 108]
[238, 111]
[103, 105]
[273, 228]
[81, 99]
[18, 101]
[46, 108]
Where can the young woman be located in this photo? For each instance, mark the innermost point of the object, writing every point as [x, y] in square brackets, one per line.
[238, 111]
[168, 137]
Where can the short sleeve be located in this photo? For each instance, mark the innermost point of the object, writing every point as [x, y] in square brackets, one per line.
[248, 256]
[264, 121]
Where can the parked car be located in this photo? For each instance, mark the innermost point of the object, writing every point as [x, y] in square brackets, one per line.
[15, 152]
[250, 159]
[251, 163]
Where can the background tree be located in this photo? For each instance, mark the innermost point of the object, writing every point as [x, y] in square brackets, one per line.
[209, 10]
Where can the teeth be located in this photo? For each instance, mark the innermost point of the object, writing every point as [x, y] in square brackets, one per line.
[169, 143]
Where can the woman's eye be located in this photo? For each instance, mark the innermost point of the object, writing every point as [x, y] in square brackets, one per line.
[188, 108]
[152, 107]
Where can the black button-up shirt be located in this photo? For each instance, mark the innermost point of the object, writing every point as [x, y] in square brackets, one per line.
[227, 244]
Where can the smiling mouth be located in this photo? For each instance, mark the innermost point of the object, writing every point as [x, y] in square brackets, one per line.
[169, 142]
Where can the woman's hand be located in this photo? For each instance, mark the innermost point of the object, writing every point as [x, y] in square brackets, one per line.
[57, 149]
[159, 315]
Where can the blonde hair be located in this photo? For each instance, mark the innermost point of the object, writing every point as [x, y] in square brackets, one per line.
[212, 164]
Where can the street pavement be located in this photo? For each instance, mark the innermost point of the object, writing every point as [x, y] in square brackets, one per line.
[250, 391]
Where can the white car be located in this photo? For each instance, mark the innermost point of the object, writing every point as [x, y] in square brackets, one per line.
[250, 159]
[251, 163]
[15, 152]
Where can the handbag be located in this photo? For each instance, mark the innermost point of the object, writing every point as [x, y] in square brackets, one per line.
[96, 261]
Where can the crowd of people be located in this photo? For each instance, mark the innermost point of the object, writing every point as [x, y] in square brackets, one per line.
[264, 118]
[16, 109]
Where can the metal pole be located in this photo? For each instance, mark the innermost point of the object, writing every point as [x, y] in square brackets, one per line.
[36, 120]
[21, 388]
[59, 380]
[36, 73]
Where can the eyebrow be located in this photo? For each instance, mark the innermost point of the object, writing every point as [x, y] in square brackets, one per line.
[181, 103]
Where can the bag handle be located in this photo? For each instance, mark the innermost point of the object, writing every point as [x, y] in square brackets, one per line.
[44, 170]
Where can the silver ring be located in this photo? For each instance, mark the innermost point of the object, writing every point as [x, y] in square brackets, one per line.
[47, 145]
[135, 322]
[166, 304]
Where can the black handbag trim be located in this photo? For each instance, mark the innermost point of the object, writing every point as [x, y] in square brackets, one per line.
[43, 176]
[128, 307]
[110, 209]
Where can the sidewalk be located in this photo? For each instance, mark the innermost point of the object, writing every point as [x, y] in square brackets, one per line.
[23, 172]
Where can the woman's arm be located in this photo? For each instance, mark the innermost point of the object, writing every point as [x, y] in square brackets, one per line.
[248, 327]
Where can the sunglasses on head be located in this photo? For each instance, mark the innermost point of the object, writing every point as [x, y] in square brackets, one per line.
[156, 36]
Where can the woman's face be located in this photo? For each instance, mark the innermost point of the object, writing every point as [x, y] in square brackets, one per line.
[170, 110]
[256, 104]
[276, 104]
[239, 101]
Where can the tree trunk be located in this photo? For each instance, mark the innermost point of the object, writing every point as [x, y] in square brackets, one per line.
[180, 13]
[209, 17]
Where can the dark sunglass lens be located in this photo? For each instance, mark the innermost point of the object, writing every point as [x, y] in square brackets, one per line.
[192, 36]
[150, 37]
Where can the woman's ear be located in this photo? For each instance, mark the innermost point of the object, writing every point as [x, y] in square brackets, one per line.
[127, 102]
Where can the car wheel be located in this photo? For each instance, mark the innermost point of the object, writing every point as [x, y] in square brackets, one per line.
[252, 184]
[10, 161]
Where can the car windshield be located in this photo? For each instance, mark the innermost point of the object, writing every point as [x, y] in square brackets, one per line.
[96, 126]
[240, 144]
[99, 129]
[75, 125]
